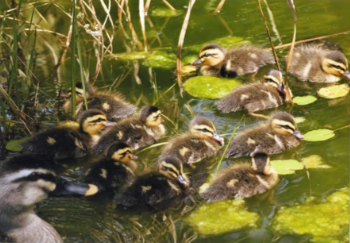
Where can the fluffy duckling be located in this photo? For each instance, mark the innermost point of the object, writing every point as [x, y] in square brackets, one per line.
[216, 61]
[243, 180]
[318, 64]
[26, 180]
[277, 135]
[113, 104]
[115, 171]
[136, 132]
[255, 97]
[64, 142]
[157, 187]
[200, 142]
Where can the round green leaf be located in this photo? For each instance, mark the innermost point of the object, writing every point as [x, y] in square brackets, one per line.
[287, 166]
[299, 119]
[304, 100]
[221, 217]
[334, 91]
[318, 135]
[161, 59]
[208, 87]
[15, 145]
[314, 161]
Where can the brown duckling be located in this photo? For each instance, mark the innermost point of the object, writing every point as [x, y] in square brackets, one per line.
[258, 96]
[242, 180]
[156, 187]
[115, 171]
[277, 135]
[318, 64]
[216, 61]
[63, 142]
[200, 142]
[136, 132]
[113, 104]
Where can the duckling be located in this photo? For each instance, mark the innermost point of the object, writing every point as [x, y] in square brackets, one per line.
[114, 171]
[156, 187]
[113, 104]
[277, 135]
[254, 97]
[243, 180]
[200, 142]
[318, 64]
[63, 142]
[136, 132]
[216, 61]
[26, 180]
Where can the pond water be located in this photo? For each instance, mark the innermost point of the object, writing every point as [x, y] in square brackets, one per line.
[87, 220]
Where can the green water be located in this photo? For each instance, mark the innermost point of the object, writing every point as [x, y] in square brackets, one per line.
[82, 220]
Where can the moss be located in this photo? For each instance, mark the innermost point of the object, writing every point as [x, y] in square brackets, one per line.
[326, 222]
[221, 217]
[208, 87]
[161, 59]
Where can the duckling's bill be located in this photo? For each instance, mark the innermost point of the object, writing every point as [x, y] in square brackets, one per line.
[219, 139]
[298, 134]
[65, 188]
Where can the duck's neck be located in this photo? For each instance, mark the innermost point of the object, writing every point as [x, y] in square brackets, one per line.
[156, 132]
[25, 226]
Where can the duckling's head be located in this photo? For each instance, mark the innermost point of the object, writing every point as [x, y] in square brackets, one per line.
[211, 55]
[203, 127]
[336, 64]
[283, 123]
[79, 91]
[172, 168]
[261, 163]
[121, 152]
[274, 78]
[93, 121]
[151, 116]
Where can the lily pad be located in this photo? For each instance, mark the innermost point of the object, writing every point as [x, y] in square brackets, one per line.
[318, 135]
[334, 91]
[161, 59]
[304, 100]
[287, 166]
[208, 87]
[299, 119]
[188, 70]
[326, 222]
[15, 145]
[165, 12]
[314, 161]
[131, 56]
[226, 42]
[221, 217]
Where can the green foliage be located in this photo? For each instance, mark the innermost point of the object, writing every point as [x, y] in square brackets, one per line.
[226, 42]
[334, 91]
[15, 145]
[304, 100]
[165, 12]
[318, 135]
[288, 166]
[161, 59]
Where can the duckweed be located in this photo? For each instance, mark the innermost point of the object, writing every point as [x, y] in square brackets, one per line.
[221, 217]
[325, 223]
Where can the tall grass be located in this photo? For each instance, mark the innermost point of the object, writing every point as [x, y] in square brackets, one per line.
[72, 55]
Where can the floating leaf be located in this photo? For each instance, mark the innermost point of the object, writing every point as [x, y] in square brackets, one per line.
[325, 222]
[208, 87]
[165, 12]
[318, 135]
[161, 59]
[334, 91]
[131, 56]
[304, 100]
[15, 145]
[299, 119]
[188, 70]
[314, 161]
[287, 166]
[226, 42]
[220, 217]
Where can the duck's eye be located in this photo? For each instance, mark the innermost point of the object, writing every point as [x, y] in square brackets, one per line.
[100, 120]
[204, 130]
[338, 67]
[287, 127]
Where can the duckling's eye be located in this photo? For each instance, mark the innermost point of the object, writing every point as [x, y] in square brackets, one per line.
[287, 127]
[338, 67]
[204, 130]
[99, 119]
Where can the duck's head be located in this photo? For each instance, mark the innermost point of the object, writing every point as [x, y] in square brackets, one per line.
[205, 128]
[79, 91]
[121, 152]
[172, 168]
[283, 123]
[26, 179]
[274, 78]
[335, 63]
[93, 121]
[261, 163]
[211, 55]
[151, 116]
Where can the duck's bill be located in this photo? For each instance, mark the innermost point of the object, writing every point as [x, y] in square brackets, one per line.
[182, 180]
[197, 62]
[347, 74]
[282, 88]
[298, 134]
[134, 157]
[218, 139]
[65, 188]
